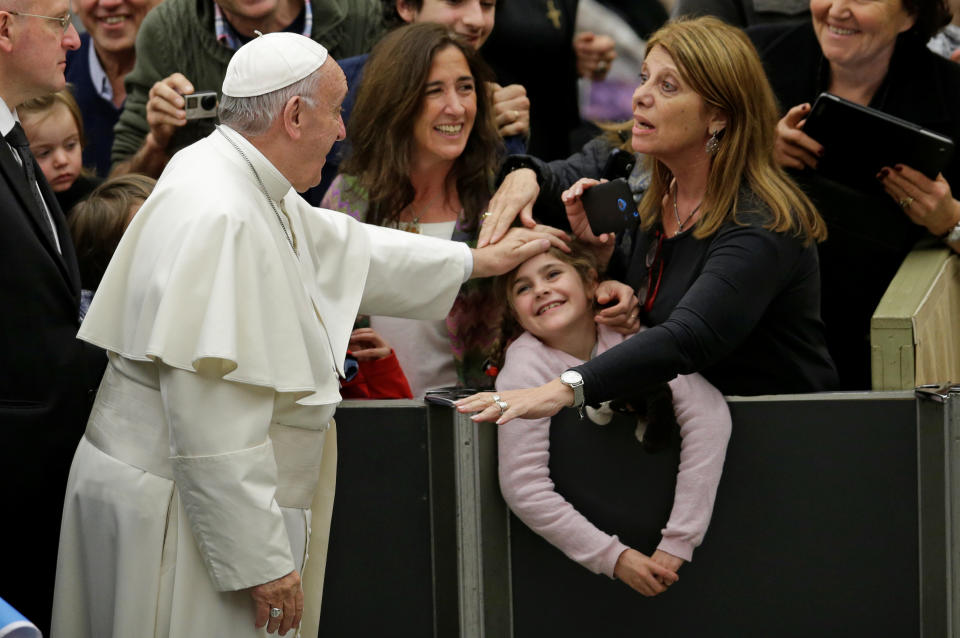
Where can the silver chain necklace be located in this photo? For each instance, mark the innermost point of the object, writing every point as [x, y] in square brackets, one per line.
[676, 211]
[263, 189]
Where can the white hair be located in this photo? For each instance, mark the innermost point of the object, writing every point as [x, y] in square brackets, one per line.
[253, 115]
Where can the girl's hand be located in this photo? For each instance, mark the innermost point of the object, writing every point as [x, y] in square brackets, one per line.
[366, 345]
[669, 561]
[643, 574]
[516, 196]
[926, 202]
[534, 403]
[793, 148]
[624, 316]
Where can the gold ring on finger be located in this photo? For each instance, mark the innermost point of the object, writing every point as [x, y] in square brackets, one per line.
[905, 202]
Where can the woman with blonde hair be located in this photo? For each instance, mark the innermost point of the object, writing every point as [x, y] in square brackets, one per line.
[724, 256]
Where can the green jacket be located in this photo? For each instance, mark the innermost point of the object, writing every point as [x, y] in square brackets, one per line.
[178, 35]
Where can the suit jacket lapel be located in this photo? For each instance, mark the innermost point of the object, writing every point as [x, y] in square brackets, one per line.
[66, 257]
[67, 261]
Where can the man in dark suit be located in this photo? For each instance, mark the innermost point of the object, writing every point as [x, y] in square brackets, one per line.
[45, 374]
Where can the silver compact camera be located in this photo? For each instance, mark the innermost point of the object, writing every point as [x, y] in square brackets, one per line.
[201, 105]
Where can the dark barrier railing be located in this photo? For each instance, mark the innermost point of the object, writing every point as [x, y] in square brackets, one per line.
[835, 516]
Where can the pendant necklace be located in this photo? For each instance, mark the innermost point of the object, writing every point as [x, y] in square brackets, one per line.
[676, 211]
[414, 226]
[263, 189]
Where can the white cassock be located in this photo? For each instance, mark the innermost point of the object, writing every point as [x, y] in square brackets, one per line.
[203, 470]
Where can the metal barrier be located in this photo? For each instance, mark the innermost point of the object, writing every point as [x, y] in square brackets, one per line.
[836, 515]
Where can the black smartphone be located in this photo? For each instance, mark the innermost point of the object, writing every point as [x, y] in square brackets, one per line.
[448, 395]
[610, 207]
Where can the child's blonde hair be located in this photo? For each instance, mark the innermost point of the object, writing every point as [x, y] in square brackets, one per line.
[38, 106]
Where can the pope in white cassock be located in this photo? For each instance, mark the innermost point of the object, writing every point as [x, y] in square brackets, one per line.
[199, 499]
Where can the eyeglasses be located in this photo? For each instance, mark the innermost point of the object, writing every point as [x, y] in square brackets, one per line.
[654, 263]
[63, 20]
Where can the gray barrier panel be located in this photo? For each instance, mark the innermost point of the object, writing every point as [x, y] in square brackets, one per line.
[819, 527]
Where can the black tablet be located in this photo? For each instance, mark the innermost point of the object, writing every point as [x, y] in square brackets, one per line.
[858, 141]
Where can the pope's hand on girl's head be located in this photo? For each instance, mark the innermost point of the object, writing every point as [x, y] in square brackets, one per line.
[623, 316]
[517, 246]
[515, 196]
[927, 202]
[793, 148]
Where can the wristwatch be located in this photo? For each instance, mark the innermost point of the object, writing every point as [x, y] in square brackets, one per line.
[516, 162]
[574, 380]
[952, 235]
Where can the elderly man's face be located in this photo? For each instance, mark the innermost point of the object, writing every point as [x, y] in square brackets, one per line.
[323, 125]
[41, 48]
[113, 24]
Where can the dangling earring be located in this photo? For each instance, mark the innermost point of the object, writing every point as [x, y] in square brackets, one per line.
[713, 144]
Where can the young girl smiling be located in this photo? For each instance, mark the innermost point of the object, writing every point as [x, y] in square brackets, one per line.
[550, 296]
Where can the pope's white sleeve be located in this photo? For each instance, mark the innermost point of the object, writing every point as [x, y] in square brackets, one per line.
[411, 275]
[226, 474]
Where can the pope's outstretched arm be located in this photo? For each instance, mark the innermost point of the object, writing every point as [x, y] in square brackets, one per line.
[418, 277]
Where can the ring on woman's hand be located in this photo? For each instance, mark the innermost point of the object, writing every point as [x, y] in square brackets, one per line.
[275, 612]
[485, 214]
[500, 403]
[905, 202]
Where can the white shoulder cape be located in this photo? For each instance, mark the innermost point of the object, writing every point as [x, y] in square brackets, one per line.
[204, 276]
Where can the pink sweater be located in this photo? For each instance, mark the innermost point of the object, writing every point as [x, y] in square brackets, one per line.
[524, 446]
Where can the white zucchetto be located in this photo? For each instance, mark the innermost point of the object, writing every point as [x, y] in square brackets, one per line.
[270, 62]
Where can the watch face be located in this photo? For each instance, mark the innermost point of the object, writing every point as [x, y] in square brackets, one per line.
[571, 377]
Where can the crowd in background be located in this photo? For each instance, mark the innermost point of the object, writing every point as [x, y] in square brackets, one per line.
[532, 58]
[750, 270]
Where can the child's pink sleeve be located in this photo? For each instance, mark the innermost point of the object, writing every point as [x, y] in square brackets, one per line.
[704, 420]
[524, 456]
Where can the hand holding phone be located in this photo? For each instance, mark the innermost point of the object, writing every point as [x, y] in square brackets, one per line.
[609, 207]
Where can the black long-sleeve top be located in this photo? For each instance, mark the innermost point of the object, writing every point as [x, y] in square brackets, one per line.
[742, 307]
[869, 234]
